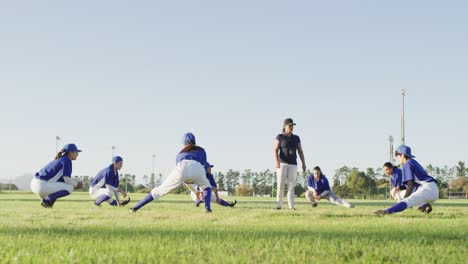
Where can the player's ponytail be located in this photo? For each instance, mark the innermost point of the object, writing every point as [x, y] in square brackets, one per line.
[60, 154]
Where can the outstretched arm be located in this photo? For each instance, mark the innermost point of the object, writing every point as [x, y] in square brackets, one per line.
[276, 148]
[301, 155]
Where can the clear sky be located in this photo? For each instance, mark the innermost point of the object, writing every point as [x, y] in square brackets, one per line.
[139, 74]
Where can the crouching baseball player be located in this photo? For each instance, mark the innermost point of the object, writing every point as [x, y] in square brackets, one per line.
[106, 185]
[197, 193]
[413, 173]
[191, 167]
[54, 180]
[320, 188]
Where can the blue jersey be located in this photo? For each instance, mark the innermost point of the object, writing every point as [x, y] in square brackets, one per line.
[56, 170]
[197, 154]
[319, 186]
[108, 176]
[396, 178]
[413, 171]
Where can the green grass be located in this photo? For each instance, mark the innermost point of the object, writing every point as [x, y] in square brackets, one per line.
[173, 230]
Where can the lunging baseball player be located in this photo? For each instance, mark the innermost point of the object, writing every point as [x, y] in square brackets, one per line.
[320, 188]
[106, 185]
[191, 167]
[414, 173]
[54, 181]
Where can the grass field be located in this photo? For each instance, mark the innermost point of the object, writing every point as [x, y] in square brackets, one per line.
[173, 230]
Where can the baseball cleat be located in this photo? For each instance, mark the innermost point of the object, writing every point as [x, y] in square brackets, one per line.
[422, 208]
[131, 210]
[233, 203]
[351, 206]
[125, 202]
[314, 204]
[381, 212]
[293, 209]
[46, 204]
[428, 209]
[208, 211]
[197, 204]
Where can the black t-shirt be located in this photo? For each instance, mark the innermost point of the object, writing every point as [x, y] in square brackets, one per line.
[288, 148]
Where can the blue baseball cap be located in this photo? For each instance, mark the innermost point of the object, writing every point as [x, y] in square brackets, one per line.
[405, 150]
[71, 148]
[117, 159]
[189, 138]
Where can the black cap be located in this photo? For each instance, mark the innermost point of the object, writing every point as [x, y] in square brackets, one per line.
[288, 121]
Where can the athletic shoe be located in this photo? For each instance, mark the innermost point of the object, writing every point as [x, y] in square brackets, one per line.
[314, 204]
[350, 206]
[293, 209]
[208, 211]
[96, 205]
[381, 212]
[197, 204]
[233, 203]
[423, 208]
[131, 210]
[428, 209]
[46, 204]
[277, 208]
[125, 202]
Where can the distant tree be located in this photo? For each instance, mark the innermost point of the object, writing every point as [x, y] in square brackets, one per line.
[341, 174]
[358, 182]
[243, 190]
[460, 169]
[152, 182]
[146, 180]
[220, 179]
[232, 180]
[459, 184]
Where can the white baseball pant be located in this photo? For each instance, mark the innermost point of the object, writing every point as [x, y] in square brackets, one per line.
[287, 173]
[188, 171]
[331, 197]
[427, 193]
[45, 188]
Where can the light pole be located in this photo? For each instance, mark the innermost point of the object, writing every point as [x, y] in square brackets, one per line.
[57, 139]
[154, 157]
[390, 138]
[403, 94]
[113, 152]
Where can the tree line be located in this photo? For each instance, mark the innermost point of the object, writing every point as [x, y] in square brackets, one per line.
[347, 181]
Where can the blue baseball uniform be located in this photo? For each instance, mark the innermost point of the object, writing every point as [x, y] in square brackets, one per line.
[322, 188]
[425, 194]
[105, 185]
[191, 167]
[54, 180]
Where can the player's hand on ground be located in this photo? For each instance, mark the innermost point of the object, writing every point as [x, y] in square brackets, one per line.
[79, 185]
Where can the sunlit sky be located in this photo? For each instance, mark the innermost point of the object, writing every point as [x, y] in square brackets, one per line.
[138, 75]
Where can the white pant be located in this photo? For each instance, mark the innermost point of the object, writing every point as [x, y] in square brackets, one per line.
[188, 171]
[287, 173]
[196, 199]
[331, 197]
[44, 188]
[100, 192]
[426, 193]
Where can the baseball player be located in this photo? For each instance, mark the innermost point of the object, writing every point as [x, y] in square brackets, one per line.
[197, 196]
[286, 147]
[398, 188]
[54, 181]
[413, 173]
[319, 188]
[191, 167]
[106, 185]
